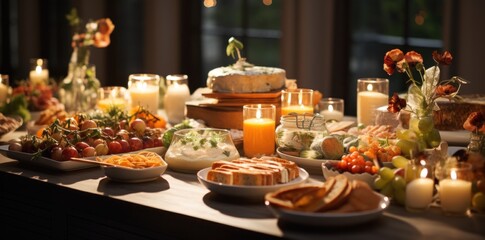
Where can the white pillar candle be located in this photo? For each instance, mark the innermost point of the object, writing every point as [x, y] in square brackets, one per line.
[372, 93]
[419, 192]
[39, 76]
[144, 91]
[455, 194]
[175, 97]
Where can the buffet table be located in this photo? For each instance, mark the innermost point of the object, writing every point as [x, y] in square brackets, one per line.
[45, 204]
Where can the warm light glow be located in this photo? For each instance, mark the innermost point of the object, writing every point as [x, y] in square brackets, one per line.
[424, 173]
[300, 97]
[453, 175]
[267, 2]
[38, 69]
[422, 162]
[210, 3]
[330, 108]
[40, 62]
[370, 87]
[258, 112]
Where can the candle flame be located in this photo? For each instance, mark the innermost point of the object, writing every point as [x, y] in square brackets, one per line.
[330, 108]
[40, 62]
[38, 69]
[258, 112]
[369, 87]
[453, 175]
[424, 173]
[422, 162]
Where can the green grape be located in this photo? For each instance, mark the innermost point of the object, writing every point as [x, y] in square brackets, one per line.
[414, 124]
[405, 134]
[398, 182]
[411, 172]
[408, 148]
[400, 196]
[425, 124]
[399, 161]
[386, 173]
[388, 191]
[478, 201]
[433, 138]
[380, 183]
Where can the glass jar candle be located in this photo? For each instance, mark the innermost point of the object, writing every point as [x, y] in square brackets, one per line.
[332, 109]
[176, 95]
[39, 74]
[3, 89]
[144, 91]
[112, 96]
[299, 101]
[372, 93]
[259, 129]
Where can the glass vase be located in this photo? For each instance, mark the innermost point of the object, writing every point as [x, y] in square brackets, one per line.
[477, 143]
[78, 91]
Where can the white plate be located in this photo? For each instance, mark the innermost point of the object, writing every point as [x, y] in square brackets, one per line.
[57, 165]
[248, 192]
[329, 219]
[456, 138]
[313, 166]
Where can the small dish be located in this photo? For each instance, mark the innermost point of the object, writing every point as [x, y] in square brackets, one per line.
[9, 124]
[134, 175]
[311, 165]
[247, 192]
[329, 219]
[365, 177]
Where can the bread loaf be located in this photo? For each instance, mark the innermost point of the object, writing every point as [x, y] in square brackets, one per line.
[251, 79]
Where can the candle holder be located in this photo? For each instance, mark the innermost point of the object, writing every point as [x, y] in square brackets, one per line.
[455, 189]
[299, 100]
[3, 89]
[112, 96]
[176, 96]
[372, 93]
[259, 129]
[39, 74]
[332, 109]
[144, 91]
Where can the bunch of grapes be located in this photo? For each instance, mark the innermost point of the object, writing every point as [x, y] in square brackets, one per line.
[478, 200]
[421, 135]
[392, 182]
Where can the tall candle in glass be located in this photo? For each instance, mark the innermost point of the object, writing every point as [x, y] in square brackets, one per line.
[144, 90]
[297, 100]
[259, 129]
[39, 75]
[175, 97]
[3, 88]
[372, 93]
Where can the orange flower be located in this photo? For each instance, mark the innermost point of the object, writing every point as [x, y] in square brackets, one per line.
[444, 90]
[413, 58]
[475, 122]
[396, 104]
[444, 58]
[102, 35]
[391, 60]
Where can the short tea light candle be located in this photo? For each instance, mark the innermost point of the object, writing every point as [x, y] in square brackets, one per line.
[455, 193]
[298, 101]
[176, 96]
[419, 192]
[39, 74]
[112, 96]
[332, 109]
[144, 91]
[259, 129]
[372, 93]
[3, 88]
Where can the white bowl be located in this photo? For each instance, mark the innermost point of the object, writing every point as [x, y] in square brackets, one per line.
[132, 175]
[365, 177]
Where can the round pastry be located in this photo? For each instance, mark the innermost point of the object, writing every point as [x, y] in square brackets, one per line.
[246, 80]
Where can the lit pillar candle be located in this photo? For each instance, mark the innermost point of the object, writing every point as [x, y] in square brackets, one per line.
[419, 192]
[39, 74]
[259, 130]
[372, 94]
[455, 194]
[144, 91]
[3, 88]
[298, 101]
[176, 96]
[332, 109]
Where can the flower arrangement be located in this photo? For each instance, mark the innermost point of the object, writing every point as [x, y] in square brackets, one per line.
[422, 94]
[96, 33]
[475, 123]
